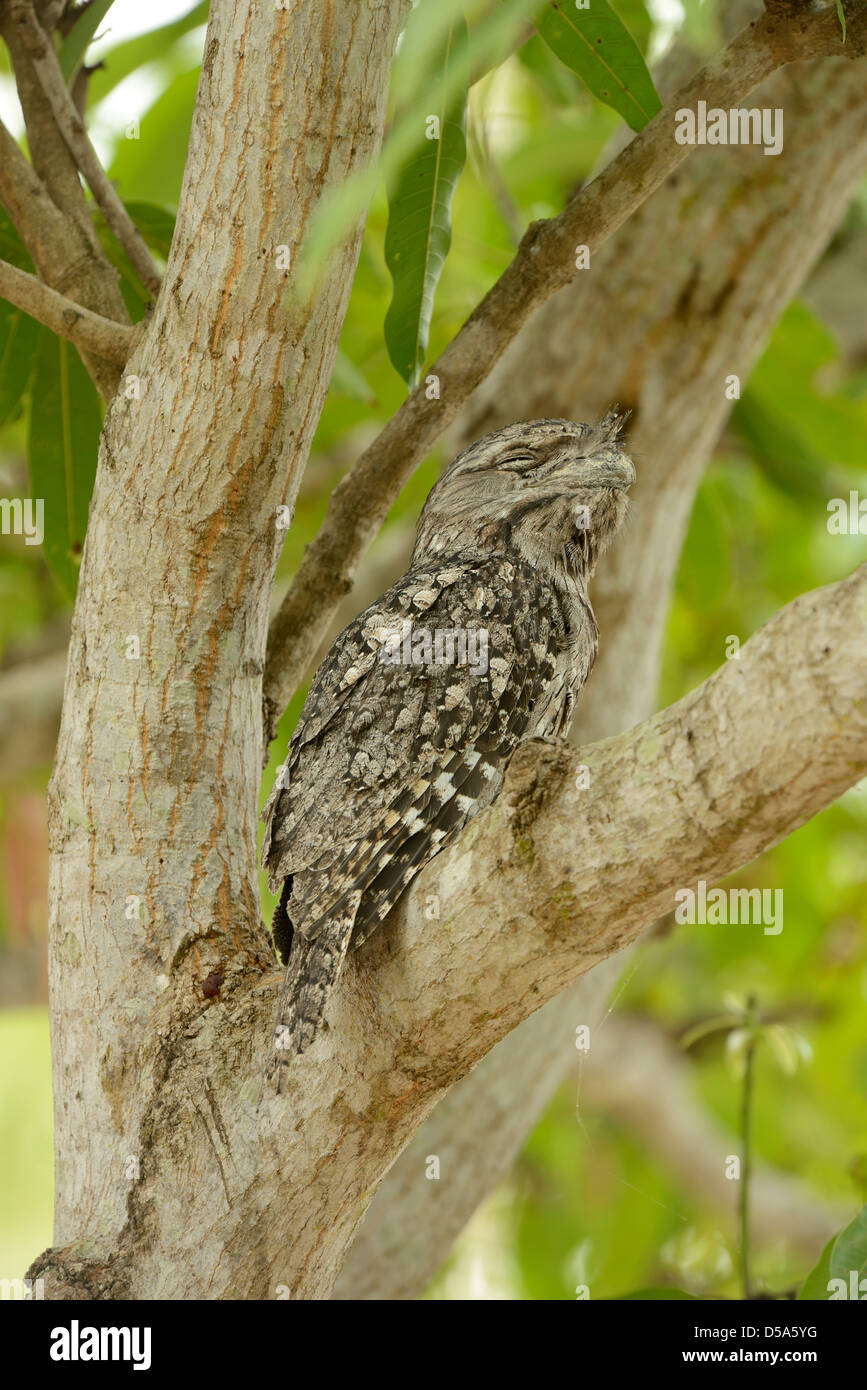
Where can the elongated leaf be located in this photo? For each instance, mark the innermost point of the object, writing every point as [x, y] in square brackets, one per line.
[637, 20]
[18, 337]
[157, 46]
[815, 1286]
[164, 127]
[81, 34]
[850, 1249]
[811, 424]
[12, 248]
[18, 331]
[157, 226]
[65, 421]
[418, 234]
[597, 45]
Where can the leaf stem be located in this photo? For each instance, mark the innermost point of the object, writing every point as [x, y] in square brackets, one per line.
[746, 1144]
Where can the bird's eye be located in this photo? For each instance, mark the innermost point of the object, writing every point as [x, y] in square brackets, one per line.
[516, 463]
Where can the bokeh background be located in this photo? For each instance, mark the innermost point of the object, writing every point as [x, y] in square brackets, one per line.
[613, 1187]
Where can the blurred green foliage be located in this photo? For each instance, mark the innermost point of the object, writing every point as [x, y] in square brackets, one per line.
[585, 1203]
[26, 1161]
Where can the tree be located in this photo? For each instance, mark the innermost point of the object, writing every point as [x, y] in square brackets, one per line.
[179, 1174]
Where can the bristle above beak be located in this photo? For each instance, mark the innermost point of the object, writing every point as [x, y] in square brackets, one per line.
[611, 427]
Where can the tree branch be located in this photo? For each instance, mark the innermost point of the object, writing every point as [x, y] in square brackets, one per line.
[545, 262]
[537, 890]
[72, 128]
[62, 244]
[37, 219]
[90, 332]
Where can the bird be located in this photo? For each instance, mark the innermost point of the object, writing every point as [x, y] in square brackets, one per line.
[410, 721]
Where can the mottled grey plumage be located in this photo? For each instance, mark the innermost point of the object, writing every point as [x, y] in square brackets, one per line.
[389, 758]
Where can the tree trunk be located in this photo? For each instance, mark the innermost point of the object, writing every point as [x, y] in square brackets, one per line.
[153, 800]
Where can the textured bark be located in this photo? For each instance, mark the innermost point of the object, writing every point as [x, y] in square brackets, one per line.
[100, 336]
[154, 794]
[681, 297]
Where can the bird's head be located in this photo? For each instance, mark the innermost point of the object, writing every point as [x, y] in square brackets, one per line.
[553, 490]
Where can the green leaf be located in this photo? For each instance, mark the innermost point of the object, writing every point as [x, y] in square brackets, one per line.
[418, 234]
[710, 1025]
[815, 1286]
[649, 1295]
[597, 45]
[841, 15]
[165, 127]
[18, 338]
[850, 1249]
[157, 226]
[562, 86]
[65, 421]
[75, 45]
[157, 46]
[780, 450]
[737, 1046]
[788, 1046]
[791, 415]
[637, 20]
[12, 248]
[18, 331]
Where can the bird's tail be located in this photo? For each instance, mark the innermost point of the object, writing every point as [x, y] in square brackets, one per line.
[311, 972]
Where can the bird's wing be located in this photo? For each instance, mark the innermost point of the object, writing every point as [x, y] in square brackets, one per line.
[349, 661]
[374, 794]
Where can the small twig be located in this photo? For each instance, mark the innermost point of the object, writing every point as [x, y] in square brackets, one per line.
[52, 15]
[92, 332]
[74, 132]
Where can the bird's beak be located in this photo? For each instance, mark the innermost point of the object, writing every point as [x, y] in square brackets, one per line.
[616, 472]
[614, 469]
